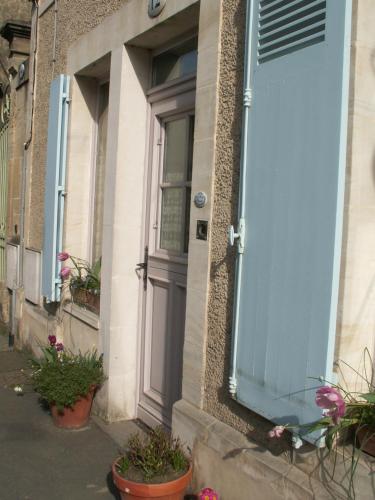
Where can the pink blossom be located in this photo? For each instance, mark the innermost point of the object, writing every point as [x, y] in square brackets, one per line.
[62, 256]
[276, 432]
[65, 272]
[59, 347]
[208, 494]
[52, 339]
[331, 401]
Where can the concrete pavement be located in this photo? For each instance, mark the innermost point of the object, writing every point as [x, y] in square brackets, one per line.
[41, 462]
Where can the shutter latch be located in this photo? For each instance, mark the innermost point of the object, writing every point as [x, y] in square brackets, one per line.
[240, 236]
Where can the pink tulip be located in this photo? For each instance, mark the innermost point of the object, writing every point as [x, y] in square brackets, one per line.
[331, 401]
[65, 272]
[62, 256]
[276, 432]
[52, 339]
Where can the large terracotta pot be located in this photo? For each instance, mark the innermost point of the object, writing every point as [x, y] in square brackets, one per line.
[366, 439]
[129, 490]
[75, 417]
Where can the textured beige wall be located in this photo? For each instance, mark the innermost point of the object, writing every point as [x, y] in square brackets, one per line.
[228, 141]
[356, 315]
[74, 18]
[11, 10]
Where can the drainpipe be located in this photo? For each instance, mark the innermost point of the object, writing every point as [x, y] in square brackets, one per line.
[239, 237]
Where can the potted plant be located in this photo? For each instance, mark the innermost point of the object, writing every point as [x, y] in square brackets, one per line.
[155, 466]
[67, 382]
[83, 281]
[347, 418]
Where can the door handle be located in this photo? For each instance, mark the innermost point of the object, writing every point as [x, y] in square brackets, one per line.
[142, 266]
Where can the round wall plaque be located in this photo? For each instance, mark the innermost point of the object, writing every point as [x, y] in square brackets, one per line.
[200, 199]
[155, 7]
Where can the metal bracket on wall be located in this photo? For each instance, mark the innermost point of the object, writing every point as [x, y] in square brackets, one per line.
[240, 236]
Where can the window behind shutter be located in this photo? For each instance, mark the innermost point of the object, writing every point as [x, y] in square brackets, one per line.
[55, 186]
[288, 287]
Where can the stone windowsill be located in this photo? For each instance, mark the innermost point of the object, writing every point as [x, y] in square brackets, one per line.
[84, 315]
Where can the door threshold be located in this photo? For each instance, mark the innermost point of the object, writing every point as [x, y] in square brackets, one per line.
[148, 417]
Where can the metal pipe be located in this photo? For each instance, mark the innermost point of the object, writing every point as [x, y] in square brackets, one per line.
[242, 179]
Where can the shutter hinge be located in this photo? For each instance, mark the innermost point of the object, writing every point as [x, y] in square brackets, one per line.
[247, 98]
[233, 387]
[240, 236]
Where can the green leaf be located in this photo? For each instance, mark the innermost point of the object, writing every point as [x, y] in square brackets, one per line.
[369, 397]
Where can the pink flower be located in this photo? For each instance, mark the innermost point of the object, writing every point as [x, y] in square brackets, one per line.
[208, 494]
[276, 432]
[62, 256]
[59, 347]
[331, 401]
[65, 271]
[52, 339]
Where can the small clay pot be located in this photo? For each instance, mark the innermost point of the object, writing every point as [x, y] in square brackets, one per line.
[366, 439]
[130, 490]
[75, 417]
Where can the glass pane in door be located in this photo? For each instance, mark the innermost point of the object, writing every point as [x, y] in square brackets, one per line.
[175, 155]
[172, 220]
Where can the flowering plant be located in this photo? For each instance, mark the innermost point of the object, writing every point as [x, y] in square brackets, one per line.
[339, 413]
[61, 377]
[344, 414]
[82, 275]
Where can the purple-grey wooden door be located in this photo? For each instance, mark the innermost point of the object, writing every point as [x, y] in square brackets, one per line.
[167, 236]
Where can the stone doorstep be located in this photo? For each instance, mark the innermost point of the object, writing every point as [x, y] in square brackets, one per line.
[274, 475]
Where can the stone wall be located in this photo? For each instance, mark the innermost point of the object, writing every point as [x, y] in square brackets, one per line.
[11, 10]
[73, 19]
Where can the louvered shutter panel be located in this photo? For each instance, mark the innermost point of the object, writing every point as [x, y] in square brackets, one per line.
[293, 205]
[55, 186]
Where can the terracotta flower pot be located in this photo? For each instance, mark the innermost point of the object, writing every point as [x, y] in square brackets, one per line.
[75, 417]
[366, 439]
[130, 490]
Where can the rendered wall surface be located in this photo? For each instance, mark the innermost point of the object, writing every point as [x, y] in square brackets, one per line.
[228, 143]
[73, 19]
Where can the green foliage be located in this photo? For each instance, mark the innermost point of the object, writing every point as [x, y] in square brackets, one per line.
[85, 276]
[61, 378]
[154, 455]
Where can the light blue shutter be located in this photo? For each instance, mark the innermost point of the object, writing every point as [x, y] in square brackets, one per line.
[55, 186]
[292, 205]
